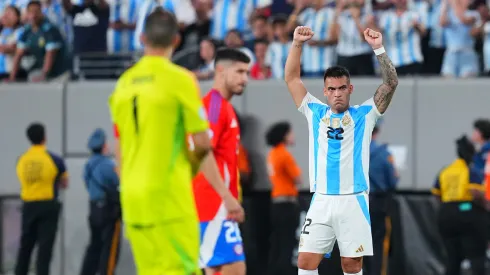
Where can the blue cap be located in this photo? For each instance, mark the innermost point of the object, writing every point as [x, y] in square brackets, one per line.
[97, 139]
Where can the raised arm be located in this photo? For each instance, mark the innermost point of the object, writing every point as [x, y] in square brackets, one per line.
[292, 71]
[385, 91]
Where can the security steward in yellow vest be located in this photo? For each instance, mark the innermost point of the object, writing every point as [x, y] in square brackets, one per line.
[462, 215]
[41, 174]
[102, 184]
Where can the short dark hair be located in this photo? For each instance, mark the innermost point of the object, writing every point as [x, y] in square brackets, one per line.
[279, 19]
[228, 54]
[483, 126]
[259, 17]
[336, 72]
[36, 133]
[161, 28]
[277, 133]
[465, 149]
[261, 41]
[235, 31]
[34, 3]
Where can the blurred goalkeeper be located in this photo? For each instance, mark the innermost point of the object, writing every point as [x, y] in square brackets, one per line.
[154, 105]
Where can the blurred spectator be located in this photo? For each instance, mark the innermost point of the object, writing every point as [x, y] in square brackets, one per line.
[285, 176]
[122, 22]
[197, 31]
[481, 138]
[462, 218]
[437, 40]
[234, 40]
[260, 70]
[382, 181]
[90, 23]
[235, 15]
[56, 14]
[319, 52]
[282, 7]
[9, 37]
[351, 19]
[207, 52]
[486, 48]
[461, 25]
[277, 52]
[260, 30]
[41, 175]
[402, 30]
[44, 42]
[182, 9]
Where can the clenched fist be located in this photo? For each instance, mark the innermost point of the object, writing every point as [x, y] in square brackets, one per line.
[374, 38]
[302, 34]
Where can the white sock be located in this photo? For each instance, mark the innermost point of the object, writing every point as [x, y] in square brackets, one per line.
[307, 272]
[358, 273]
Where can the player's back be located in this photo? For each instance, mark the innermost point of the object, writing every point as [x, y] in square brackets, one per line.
[147, 110]
[225, 135]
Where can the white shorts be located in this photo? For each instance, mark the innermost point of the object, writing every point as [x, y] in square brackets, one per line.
[344, 218]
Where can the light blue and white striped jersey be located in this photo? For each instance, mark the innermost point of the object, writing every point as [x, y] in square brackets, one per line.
[458, 35]
[234, 14]
[486, 47]
[339, 146]
[401, 39]
[350, 42]
[122, 40]
[56, 14]
[276, 56]
[317, 59]
[421, 7]
[20, 4]
[182, 9]
[8, 36]
[437, 37]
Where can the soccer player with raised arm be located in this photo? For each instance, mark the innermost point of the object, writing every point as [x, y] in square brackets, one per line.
[221, 242]
[340, 135]
[154, 105]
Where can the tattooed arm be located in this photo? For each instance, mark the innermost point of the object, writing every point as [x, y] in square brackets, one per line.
[385, 91]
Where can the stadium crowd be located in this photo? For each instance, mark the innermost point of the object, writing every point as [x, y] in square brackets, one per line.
[448, 37]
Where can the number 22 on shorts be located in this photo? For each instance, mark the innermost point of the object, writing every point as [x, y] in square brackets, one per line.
[307, 223]
[232, 233]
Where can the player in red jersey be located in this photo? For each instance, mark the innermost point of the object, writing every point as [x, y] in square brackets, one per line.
[221, 243]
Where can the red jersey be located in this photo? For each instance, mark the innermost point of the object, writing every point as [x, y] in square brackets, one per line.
[225, 136]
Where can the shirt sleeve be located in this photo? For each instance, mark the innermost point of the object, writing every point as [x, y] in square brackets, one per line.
[22, 42]
[218, 120]
[391, 174]
[436, 189]
[371, 111]
[53, 38]
[308, 102]
[195, 118]
[107, 170]
[60, 165]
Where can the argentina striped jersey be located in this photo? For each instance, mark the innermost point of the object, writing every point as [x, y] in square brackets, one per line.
[318, 59]
[437, 37]
[350, 41]
[339, 146]
[126, 12]
[402, 40]
[276, 56]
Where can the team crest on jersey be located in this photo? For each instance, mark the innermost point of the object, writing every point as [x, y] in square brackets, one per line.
[238, 249]
[326, 120]
[335, 122]
[346, 120]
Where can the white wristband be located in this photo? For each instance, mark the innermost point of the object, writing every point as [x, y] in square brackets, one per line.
[379, 51]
